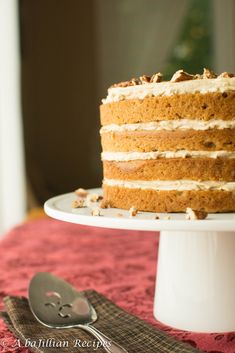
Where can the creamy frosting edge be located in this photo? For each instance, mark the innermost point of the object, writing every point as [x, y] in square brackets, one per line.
[131, 156]
[168, 88]
[178, 185]
[182, 124]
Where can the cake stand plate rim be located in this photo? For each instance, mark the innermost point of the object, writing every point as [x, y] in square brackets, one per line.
[59, 207]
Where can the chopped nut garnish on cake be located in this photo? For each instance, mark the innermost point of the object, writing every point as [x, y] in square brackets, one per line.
[225, 75]
[178, 76]
[197, 77]
[133, 211]
[157, 217]
[145, 79]
[121, 84]
[208, 74]
[96, 212]
[81, 192]
[156, 78]
[194, 214]
[132, 82]
[78, 204]
[181, 75]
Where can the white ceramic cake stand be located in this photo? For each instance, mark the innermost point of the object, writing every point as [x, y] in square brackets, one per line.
[195, 287]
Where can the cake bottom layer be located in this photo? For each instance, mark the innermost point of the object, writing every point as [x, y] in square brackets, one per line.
[168, 200]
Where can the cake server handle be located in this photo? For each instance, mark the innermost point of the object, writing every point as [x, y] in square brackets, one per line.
[107, 344]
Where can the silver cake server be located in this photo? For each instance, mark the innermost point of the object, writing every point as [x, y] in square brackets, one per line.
[56, 304]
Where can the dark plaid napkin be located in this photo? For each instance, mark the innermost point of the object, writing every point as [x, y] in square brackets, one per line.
[135, 335]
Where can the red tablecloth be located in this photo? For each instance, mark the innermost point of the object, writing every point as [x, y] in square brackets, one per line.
[119, 264]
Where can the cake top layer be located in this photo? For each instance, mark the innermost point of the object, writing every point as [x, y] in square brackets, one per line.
[180, 83]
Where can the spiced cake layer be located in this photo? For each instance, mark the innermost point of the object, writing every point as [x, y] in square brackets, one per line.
[170, 145]
[164, 140]
[201, 106]
[168, 201]
[204, 169]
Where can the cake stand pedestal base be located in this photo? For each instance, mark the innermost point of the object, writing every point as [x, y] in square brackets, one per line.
[195, 286]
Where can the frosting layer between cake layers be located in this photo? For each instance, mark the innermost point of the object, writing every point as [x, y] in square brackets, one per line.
[170, 151]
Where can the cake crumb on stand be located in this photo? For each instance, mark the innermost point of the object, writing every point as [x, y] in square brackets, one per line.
[96, 212]
[167, 217]
[78, 203]
[133, 211]
[194, 214]
[81, 192]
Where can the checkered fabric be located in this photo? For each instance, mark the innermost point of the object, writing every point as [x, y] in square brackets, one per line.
[134, 334]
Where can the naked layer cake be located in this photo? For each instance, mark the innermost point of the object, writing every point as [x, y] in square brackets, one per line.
[170, 145]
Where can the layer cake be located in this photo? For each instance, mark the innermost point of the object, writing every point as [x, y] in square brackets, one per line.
[170, 145]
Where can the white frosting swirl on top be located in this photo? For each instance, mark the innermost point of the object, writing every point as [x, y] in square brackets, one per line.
[132, 156]
[167, 88]
[181, 124]
[178, 185]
